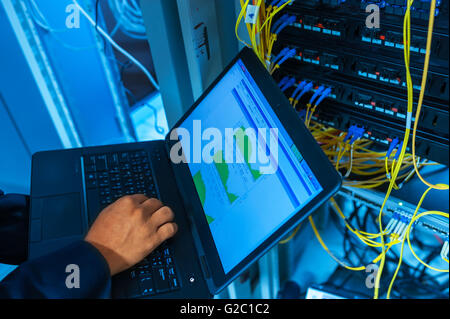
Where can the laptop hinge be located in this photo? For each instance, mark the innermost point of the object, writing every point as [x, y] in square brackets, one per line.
[200, 252]
[187, 208]
[205, 267]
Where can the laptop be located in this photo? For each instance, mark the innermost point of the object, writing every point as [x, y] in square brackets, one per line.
[231, 206]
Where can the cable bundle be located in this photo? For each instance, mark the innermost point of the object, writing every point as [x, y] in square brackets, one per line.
[261, 31]
[129, 19]
[350, 152]
[362, 167]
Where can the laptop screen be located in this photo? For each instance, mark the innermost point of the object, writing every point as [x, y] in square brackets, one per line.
[249, 175]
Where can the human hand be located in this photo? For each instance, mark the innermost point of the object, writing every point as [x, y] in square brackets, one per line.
[129, 229]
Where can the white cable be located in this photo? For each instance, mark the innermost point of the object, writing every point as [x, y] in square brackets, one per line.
[43, 23]
[390, 225]
[129, 17]
[40, 19]
[351, 162]
[444, 251]
[117, 47]
[419, 165]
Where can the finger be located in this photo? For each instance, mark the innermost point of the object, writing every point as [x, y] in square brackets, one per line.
[150, 206]
[161, 216]
[166, 231]
[135, 198]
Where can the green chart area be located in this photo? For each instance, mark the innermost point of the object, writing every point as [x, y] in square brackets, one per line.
[201, 190]
[246, 148]
[224, 173]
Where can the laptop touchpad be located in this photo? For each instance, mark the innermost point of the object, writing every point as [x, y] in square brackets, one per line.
[61, 216]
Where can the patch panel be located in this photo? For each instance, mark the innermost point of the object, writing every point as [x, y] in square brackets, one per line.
[381, 70]
[391, 11]
[394, 75]
[396, 207]
[315, 57]
[383, 104]
[365, 68]
[332, 27]
[432, 119]
[335, 89]
[379, 131]
[387, 37]
[391, 38]
[380, 112]
[419, 10]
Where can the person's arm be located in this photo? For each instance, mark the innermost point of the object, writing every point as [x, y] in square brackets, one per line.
[46, 276]
[121, 236]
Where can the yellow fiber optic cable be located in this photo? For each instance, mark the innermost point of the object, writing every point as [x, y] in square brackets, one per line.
[409, 241]
[422, 92]
[403, 242]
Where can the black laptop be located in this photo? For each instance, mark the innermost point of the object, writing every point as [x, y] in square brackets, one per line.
[240, 170]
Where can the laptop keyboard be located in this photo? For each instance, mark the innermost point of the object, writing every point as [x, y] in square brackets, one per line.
[114, 175]
[156, 273]
[119, 174]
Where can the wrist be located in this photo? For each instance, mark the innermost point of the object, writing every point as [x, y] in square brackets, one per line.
[107, 255]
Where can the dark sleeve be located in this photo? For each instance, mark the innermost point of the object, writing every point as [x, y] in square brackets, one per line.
[46, 276]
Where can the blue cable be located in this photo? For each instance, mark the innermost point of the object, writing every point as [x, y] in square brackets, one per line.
[279, 55]
[354, 132]
[359, 132]
[349, 133]
[281, 2]
[273, 2]
[397, 154]
[283, 81]
[288, 84]
[318, 91]
[305, 89]
[288, 21]
[298, 88]
[391, 147]
[277, 23]
[288, 55]
[324, 95]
